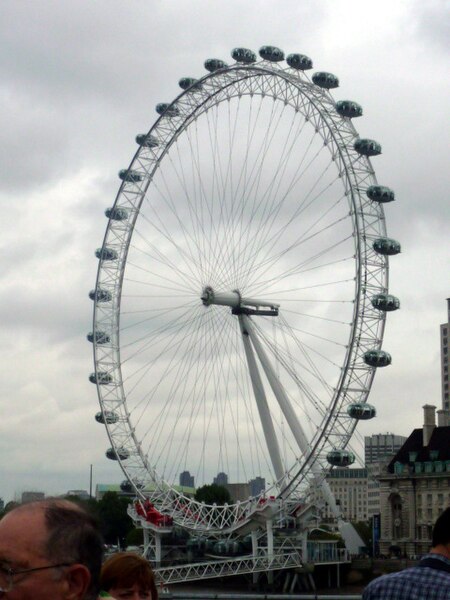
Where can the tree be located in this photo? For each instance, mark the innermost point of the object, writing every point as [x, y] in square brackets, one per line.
[9, 506]
[135, 537]
[114, 519]
[213, 494]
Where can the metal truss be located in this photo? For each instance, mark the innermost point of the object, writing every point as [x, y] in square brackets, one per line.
[338, 133]
[228, 567]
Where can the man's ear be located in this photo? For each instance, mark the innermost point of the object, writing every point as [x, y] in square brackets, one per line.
[77, 579]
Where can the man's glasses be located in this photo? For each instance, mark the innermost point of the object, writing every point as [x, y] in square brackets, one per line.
[7, 574]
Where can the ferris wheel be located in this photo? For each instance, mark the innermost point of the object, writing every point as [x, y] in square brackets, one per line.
[242, 290]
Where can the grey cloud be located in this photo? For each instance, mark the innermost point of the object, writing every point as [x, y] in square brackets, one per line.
[79, 80]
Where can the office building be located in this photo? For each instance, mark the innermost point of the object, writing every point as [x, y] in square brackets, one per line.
[238, 491]
[445, 330]
[378, 451]
[187, 480]
[81, 494]
[221, 479]
[257, 486]
[381, 446]
[32, 496]
[349, 487]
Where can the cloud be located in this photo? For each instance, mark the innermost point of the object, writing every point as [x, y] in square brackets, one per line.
[79, 80]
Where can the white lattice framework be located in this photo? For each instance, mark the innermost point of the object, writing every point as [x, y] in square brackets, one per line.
[294, 90]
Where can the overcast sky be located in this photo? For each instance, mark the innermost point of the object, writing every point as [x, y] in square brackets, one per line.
[79, 79]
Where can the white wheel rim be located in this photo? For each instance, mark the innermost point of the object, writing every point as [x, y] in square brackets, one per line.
[309, 255]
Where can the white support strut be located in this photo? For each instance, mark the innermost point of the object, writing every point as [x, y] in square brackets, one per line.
[263, 407]
[289, 413]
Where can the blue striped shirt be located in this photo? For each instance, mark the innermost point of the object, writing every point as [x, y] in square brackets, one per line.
[417, 583]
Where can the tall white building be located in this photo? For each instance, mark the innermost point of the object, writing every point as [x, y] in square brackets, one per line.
[349, 487]
[378, 450]
[381, 446]
[445, 330]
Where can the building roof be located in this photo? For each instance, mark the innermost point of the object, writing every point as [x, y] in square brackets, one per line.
[439, 442]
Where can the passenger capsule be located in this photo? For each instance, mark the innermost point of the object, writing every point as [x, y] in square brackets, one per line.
[271, 53]
[121, 453]
[367, 147]
[147, 140]
[380, 193]
[377, 358]
[116, 214]
[325, 80]
[126, 486]
[100, 295]
[129, 176]
[349, 109]
[106, 253]
[189, 82]
[361, 411]
[220, 547]
[340, 458]
[214, 64]
[168, 110]
[101, 377]
[243, 55]
[386, 246]
[385, 302]
[299, 62]
[100, 337]
[107, 416]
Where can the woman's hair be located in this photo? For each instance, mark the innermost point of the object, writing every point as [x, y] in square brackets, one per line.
[124, 569]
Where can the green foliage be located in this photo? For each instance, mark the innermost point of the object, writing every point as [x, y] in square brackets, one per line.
[135, 537]
[213, 494]
[8, 506]
[111, 512]
[114, 520]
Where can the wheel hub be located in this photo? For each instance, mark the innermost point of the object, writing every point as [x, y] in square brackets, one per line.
[238, 304]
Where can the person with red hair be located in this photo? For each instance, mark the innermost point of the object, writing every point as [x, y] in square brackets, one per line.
[127, 576]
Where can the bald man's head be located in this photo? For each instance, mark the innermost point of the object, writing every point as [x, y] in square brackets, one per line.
[38, 535]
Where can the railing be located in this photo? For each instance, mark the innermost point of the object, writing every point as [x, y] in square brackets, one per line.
[244, 596]
[228, 567]
[286, 559]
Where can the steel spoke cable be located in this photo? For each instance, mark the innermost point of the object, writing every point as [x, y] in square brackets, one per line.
[269, 243]
[260, 161]
[269, 204]
[159, 257]
[193, 263]
[299, 268]
[183, 366]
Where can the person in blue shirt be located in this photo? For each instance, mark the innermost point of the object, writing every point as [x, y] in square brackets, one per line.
[429, 580]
